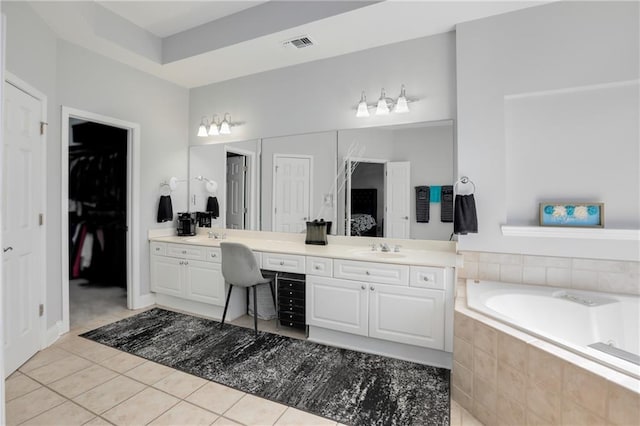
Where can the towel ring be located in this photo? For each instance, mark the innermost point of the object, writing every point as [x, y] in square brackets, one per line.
[464, 180]
[165, 186]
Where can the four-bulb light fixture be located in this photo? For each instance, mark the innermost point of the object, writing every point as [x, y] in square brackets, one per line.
[384, 105]
[216, 127]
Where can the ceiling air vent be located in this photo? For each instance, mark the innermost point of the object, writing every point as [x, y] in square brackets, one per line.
[298, 42]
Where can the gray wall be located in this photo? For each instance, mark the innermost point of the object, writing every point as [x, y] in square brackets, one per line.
[74, 77]
[563, 45]
[322, 95]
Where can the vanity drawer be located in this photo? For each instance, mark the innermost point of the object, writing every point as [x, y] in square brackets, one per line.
[371, 272]
[283, 262]
[321, 266]
[214, 254]
[159, 249]
[428, 277]
[186, 252]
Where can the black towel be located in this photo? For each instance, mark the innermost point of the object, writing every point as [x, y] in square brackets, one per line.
[446, 204]
[213, 207]
[423, 202]
[165, 209]
[465, 218]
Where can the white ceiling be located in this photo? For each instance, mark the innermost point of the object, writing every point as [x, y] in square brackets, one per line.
[137, 39]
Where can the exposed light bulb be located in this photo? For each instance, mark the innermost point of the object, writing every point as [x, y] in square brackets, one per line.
[225, 128]
[383, 107]
[401, 104]
[202, 130]
[363, 108]
[213, 127]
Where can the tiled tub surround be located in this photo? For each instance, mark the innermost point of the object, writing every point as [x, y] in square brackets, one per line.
[607, 276]
[506, 377]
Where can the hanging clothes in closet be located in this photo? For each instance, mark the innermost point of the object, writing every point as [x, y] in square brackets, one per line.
[97, 204]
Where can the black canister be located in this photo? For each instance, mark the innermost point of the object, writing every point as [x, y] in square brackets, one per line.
[317, 232]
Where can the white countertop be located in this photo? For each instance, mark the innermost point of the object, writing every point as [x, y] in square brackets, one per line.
[412, 252]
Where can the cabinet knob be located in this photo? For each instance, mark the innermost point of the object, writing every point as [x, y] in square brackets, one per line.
[372, 288]
[213, 255]
[406, 217]
[282, 263]
[157, 248]
[186, 263]
[184, 252]
[367, 272]
[427, 279]
[363, 287]
[181, 262]
[316, 267]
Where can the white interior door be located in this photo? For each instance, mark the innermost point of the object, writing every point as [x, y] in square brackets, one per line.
[397, 201]
[292, 193]
[236, 192]
[21, 201]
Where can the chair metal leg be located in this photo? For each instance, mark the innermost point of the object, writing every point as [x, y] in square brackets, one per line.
[273, 295]
[255, 308]
[226, 305]
[247, 297]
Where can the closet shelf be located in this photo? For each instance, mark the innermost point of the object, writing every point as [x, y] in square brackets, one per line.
[575, 233]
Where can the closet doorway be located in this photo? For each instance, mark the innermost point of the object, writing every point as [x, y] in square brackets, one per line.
[98, 255]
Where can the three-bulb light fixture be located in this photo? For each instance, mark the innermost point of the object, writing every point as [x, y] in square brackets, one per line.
[384, 105]
[215, 127]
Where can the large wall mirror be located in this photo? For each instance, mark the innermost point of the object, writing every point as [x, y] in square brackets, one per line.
[362, 180]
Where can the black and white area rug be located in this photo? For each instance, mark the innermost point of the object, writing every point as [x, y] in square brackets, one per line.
[347, 386]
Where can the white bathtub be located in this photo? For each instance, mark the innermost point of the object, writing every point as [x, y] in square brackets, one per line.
[573, 319]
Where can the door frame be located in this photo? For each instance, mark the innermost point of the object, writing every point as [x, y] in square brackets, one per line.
[32, 91]
[347, 189]
[251, 195]
[134, 299]
[273, 184]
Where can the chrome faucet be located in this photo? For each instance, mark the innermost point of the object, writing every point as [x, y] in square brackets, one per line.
[384, 247]
[211, 234]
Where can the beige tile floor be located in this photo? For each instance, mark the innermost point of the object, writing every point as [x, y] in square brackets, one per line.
[79, 382]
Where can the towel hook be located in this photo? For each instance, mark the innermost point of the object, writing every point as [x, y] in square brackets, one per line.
[464, 180]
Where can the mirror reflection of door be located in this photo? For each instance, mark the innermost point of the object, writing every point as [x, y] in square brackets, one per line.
[397, 201]
[291, 192]
[236, 214]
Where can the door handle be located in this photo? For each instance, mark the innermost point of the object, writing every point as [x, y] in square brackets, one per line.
[7, 249]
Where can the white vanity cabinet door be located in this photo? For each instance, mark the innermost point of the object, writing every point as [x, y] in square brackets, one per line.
[166, 275]
[283, 262]
[337, 304]
[204, 282]
[407, 315]
[322, 266]
[371, 272]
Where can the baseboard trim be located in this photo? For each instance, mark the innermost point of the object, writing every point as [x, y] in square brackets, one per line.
[143, 300]
[52, 334]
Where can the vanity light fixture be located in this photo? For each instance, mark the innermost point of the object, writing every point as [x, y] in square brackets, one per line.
[215, 127]
[225, 126]
[402, 103]
[384, 105]
[363, 108]
[202, 129]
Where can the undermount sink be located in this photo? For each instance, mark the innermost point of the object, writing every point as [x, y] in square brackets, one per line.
[378, 254]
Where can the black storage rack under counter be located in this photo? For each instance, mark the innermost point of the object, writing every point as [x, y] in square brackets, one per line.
[291, 299]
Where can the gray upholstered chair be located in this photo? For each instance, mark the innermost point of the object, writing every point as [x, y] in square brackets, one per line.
[240, 269]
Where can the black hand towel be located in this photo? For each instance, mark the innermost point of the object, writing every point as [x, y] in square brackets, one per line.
[165, 209]
[446, 204]
[465, 219]
[423, 200]
[213, 207]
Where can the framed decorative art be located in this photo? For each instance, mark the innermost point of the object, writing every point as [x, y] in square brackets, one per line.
[569, 214]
